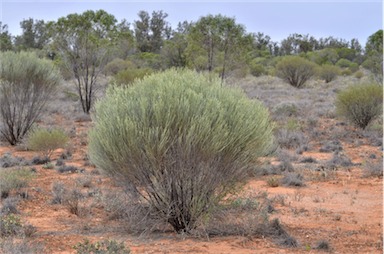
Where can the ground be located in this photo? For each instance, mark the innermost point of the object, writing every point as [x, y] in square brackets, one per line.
[340, 205]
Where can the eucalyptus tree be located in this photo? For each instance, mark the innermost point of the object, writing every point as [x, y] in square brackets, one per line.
[221, 39]
[84, 41]
[34, 35]
[374, 55]
[5, 38]
[151, 31]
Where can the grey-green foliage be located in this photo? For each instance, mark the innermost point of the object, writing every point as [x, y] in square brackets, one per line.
[26, 85]
[182, 139]
[295, 70]
[361, 104]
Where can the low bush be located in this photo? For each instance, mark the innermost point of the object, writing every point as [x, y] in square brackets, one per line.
[46, 140]
[127, 77]
[101, 247]
[293, 179]
[13, 179]
[7, 161]
[182, 139]
[373, 169]
[117, 65]
[295, 70]
[360, 104]
[328, 72]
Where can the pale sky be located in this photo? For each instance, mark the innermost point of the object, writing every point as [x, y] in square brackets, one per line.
[344, 19]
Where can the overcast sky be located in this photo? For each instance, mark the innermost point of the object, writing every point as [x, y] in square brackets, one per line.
[344, 19]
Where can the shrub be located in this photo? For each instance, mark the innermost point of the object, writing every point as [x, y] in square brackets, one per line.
[7, 161]
[46, 140]
[10, 225]
[26, 84]
[126, 77]
[13, 179]
[328, 72]
[295, 70]
[293, 179]
[344, 63]
[102, 247]
[117, 65]
[359, 74]
[182, 139]
[257, 69]
[360, 104]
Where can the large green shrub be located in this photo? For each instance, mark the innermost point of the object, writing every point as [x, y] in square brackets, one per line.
[180, 140]
[26, 84]
[361, 104]
[295, 70]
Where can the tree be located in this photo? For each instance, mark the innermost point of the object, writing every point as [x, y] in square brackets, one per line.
[5, 38]
[34, 35]
[374, 55]
[150, 31]
[84, 42]
[26, 85]
[174, 49]
[295, 70]
[217, 36]
[180, 142]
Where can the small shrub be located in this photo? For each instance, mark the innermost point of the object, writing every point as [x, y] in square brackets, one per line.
[102, 247]
[359, 74]
[46, 140]
[26, 85]
[37, 160]
[293, 179]
[10, 206]
[290, 139]
[273, 182]
[373, 169]
[323, 245]
[181, 138]
[284, 110]
[7, 161]
[339, 160]
[117, 65]
[17, 246]
[127, 77]
[295, 70]
[276, 230]
[361, 104]
[328, 72]
[59, 192]
[331, 146]
[13, 179]
[344, 63]
[10, 225]
[257, 69]
[68, 169]
[48, 165]
[73, 201]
